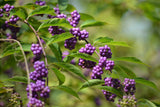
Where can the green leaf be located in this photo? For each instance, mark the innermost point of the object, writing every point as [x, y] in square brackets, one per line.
[56, 51]
[117, 44]
[71, 68]
[145, 103]
[18, 79]
[31, 6]
[68, 59]
[83, 56]
[129, 72]
[34, 22]
[2, 90]
[103, 40]
[60, 37]
[68, 90]
[60, 76]
[55, 22]
[42, 10]
[90, 23]
[124, 72]
[62, 4]
[129, 59]
[112, 90]
[145, 82]
[70, 8]
[92, 82]
[9, 50]
[120, 72]
[25, 46]
[85, 17]
[20, 12]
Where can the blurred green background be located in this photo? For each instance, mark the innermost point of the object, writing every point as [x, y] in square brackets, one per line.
[136, 22]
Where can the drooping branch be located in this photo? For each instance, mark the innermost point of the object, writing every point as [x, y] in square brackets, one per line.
[25, 61]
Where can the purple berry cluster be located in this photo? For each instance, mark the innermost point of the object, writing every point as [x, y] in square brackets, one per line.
[38, 88]
[55, 30]
[82, 35]
[97, 72]
[115, 83]
[13, 20]
[6, 9]
[105, 51]
[40, 71]
[1, 12]
[41, 3]
[109, 65]
[70, 43]
[56, 10]
[36, 49]
[88, 49]
[35, 103]
[74, 19]
[61, 16]
[127, 101]
[12, 26]
[86, 63]
[129, 86]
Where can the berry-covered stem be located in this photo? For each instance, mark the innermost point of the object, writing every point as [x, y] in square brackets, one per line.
[25, 61]
[44, 53]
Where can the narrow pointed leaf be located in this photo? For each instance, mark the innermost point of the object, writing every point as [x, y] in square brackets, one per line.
[112, 90]
[42, 10]
[68, 90]
[103, 40]
[92, 82]
[25, 46]
[20, 12]
[18, 79]
[70, 8]
[114, 43]
[145, 103]
[60, 37]
[56, 22]
[130, 73]
[120, 72]
[84, 17]
[91, 23]
[60, 76]
[56, 51]
[71, 68]
[129, 59]
[83, 56]
[146, 83]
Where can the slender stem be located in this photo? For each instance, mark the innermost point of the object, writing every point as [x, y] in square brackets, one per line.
[25, 61]
[36, 33]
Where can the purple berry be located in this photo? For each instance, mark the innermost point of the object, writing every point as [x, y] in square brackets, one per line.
[70, 43]
[105, 51]
[36, 49]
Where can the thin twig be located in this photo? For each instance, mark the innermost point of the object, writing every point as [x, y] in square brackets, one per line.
[44, 54]
[25, 61]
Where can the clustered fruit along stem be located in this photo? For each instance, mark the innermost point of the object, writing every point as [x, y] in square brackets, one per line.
[105, 52]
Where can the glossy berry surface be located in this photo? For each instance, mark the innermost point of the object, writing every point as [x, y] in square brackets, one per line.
[36, 49]
[97, 72]
[105, 51]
